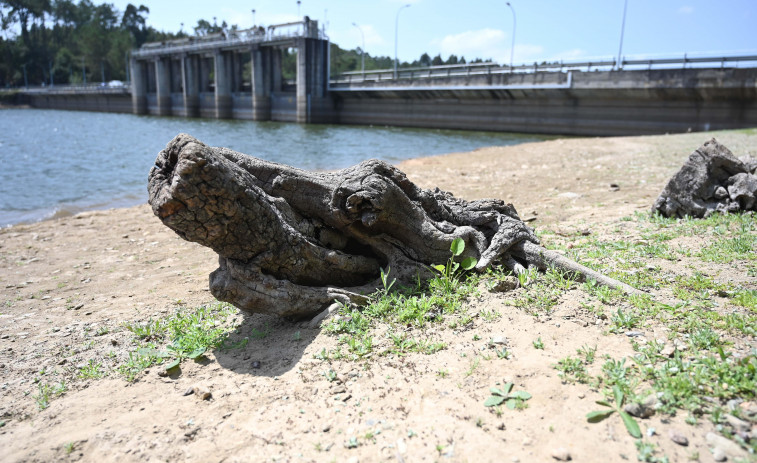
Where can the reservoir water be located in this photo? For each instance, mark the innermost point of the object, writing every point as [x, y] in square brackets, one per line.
[57, 163]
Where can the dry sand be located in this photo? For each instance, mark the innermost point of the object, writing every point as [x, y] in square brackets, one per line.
[68, 285]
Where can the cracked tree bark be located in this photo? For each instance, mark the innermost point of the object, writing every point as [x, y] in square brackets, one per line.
[291, 242]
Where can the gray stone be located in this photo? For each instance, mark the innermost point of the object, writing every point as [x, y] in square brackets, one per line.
[561, 454]
[720, 193]
[508, 284]
[718, 454]
[643, 409]
[677, 437]
[729, 448]
[737, 424]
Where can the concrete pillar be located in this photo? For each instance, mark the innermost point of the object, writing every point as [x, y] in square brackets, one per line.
[163, 85]
[303, 94]
[311, 79]
[275, 70]
[261, 83]
[138, 87]
[190, 82]
[223, 86]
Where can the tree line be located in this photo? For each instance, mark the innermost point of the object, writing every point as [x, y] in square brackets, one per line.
[44, 42]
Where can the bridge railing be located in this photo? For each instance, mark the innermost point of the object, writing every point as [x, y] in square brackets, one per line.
[428, 72]
[228, 39]
[110, 88]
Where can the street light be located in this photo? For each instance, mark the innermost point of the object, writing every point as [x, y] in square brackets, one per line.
[298, 8]
[622, 29]
[396, 24]
[512, 46]
[253, 17]
[362, 50]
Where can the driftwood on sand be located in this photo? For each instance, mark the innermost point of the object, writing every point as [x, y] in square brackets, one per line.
[711, 180]
[291, 242]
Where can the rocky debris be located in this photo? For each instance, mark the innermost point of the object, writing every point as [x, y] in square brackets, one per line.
[711, 180]
[509, 283]
[200, 390]
[718, 454]
[738, 424]
[678, 437]
[643, 409]
[561, 454]
[724, 447]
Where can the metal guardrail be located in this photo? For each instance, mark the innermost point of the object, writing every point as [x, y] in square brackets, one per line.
[109, 88]
[226, 40]
[495, 68]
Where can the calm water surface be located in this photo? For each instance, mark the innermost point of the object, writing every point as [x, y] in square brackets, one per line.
[57, 163]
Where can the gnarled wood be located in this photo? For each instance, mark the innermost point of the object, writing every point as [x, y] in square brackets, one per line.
[291, 242]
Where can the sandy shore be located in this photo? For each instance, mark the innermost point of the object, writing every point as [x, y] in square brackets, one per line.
[68, 286]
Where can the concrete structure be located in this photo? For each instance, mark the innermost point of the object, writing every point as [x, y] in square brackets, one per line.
[205, 76]
[613, 102]
[202, 78]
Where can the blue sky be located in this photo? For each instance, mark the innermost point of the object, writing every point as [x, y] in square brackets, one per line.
[545, 29]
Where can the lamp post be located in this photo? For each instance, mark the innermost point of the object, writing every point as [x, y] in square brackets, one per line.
[512, 46]
[622, 30]
[362, 49]
[298, 8]
[253, 18]
[396, 24]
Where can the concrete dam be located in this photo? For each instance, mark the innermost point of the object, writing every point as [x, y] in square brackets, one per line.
[205, 77]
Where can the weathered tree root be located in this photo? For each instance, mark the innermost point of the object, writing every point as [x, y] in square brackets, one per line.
[291, 242]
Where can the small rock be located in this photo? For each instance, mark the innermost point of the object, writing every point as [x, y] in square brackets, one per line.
[738, 424]
[718, 454]
[727, 447]
[643, 409]
[677, 437]
[256, 364]
[614, 187]
[202, 391]
[561, 454]
[189, 391]
[668, 351]
[720, 192]
[502, 340]
[749, 408]
[78, 306]
[503, 286]
[327, 428]
[634, 334]
[338, 389]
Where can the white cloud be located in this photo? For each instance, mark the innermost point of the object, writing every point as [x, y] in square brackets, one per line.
[686, 9]
[349, 38]
[482, 43]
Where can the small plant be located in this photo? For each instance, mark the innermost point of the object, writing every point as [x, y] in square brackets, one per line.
[442, 373]
[588, 353]
[647, 452]
[511, 399]
[596, 416]
[385, 280]
[448, 271]
[91, 371]
[473, 366]
[572, 369]
[539, 344]
[68, 448]
[330, 375]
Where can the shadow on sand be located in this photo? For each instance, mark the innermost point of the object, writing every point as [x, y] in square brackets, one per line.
[265, 345]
